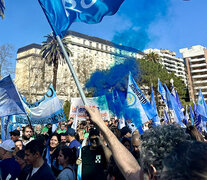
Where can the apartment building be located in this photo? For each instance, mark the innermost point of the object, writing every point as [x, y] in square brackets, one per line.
[172, 63]
[196, 63]
[33, 75]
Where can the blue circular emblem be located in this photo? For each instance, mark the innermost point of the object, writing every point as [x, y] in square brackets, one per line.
[131, 99]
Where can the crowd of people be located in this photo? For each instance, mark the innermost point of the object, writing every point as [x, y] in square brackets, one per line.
[99, 150]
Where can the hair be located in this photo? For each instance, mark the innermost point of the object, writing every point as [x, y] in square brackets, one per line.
[18, 140]
[157, 143]
[187, 161]
[20, 154]
[69, 153]
[35, 146]
[93, 132]
[194, 133]
[27, 126]
[125, 140]
[57, 135]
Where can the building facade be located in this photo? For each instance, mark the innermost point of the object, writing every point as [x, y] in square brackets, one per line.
[196, 63]
[171, 63]
[89, 54]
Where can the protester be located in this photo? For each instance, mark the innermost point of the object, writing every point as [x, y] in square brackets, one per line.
[25, 168]
[93, 158]
[71, 139]
[62, 128]
[186, 162]
[63, 137]
[127, 143]
[15, 135]
[67, 158]
[136, 142]
[33, 156]
[9, 168]
[38, 129]
[194, 133]
[19, 144]
[27, 134]
[54, 148]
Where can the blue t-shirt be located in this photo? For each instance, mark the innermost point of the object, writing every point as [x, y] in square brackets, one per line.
[9, 166]
[76, 144]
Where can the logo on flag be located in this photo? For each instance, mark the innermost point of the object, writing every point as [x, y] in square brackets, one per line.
[131, 99]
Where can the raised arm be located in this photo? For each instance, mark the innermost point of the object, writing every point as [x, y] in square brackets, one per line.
[123, 158]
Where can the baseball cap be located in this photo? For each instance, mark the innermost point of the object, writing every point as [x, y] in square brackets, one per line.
[8, 145]
[70, 132]
[15, 133]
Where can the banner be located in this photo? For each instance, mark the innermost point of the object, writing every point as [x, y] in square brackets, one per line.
[47, 110]
[77, 107]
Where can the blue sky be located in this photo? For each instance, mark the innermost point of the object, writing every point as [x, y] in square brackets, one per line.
[170, 24]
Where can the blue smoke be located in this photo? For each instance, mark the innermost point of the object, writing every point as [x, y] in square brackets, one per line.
[141, 15]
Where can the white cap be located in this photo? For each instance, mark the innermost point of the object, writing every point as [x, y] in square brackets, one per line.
[8, 145]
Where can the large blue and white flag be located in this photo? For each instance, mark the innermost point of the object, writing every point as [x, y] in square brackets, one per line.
[179, 102]
[173, 91]
[138, 107]
[47, 110]
[62, 13]
[201, 105]
[10, 102]
[162, 91]
[148, 108]
[186, 115]
[155, 120]
[5, 128]
[191, 116]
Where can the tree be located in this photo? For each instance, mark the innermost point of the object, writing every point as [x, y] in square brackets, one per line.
[52, 53]
[6, 65]
[152, 57]
[2, 7]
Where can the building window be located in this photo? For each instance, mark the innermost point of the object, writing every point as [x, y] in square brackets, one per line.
[90, 44]
[84, 42]
[97, 45]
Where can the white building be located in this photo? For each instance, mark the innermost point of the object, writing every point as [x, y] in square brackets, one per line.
[33, 75]
[196, 63]
[172, 63]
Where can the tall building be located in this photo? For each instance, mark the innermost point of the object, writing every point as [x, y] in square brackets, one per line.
[172, 63]
[89, 54]
[196, 63]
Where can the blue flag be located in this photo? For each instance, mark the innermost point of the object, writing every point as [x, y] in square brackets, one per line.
[179, 102]
[62, 13]
[191, 116]
[148, 108]
[166, 117]
[186, 115]
[10, 102]
[155, 120]
[173, 105]
[162, 91]
[201, 105]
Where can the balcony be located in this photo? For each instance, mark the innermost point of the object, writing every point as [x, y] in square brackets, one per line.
[200, 76]
[199, 70]
[198, 65]
[201, 87]
[198, 82]
[197, 60]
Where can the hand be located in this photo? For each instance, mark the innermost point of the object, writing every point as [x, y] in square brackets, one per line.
[95, 115]
[78, 161]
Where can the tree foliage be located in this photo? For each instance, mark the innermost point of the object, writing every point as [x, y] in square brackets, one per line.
[52, 53]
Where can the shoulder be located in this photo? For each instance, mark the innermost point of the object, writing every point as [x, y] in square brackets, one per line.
[67, 173]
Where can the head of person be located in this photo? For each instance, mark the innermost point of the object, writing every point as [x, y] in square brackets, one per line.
[14, 135]
[67, 156]
[38, 129]
[54, 141]
[126, 142]
[20, 158]
[27, 132]
[136, 142]
[62, 126]
[70, 134]
[19, 144]
[83, 125]
[156, 144]
[194, 133]
[33, 151]
[6, 149]
[106, 122]
[94, 137]
[186, 161]
[63, 137]
[126, 132]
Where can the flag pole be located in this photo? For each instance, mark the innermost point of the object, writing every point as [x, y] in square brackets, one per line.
[83, 97]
